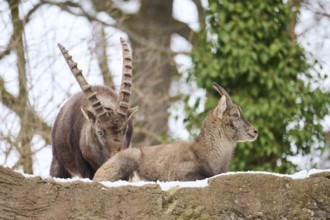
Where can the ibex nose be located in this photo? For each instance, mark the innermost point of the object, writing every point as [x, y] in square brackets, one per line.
[253, 133]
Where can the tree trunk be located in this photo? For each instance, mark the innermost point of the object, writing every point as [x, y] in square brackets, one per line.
[295, 6]
[25, 137]
[150, 31]
[238, 196]
[153, 69]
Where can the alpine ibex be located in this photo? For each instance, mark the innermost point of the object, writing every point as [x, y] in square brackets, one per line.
[208, 155]
[93, 125]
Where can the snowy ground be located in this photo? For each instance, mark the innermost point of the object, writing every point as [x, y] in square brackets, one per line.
[175, 184]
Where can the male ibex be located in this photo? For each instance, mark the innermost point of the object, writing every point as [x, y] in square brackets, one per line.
[93, 125]
[208, 155]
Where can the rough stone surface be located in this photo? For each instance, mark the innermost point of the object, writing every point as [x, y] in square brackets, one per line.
[229, 197]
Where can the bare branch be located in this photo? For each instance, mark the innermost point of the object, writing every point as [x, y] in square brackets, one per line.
[8, 49]
[185, 31]
[201, 13]
[39, 126]
[32, 11]
[101, 53]
[109, 8]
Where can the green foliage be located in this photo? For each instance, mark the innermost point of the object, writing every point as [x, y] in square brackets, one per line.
[247, 48]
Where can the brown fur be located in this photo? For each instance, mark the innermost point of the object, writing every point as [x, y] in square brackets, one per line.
[84, 137]
[208, 155]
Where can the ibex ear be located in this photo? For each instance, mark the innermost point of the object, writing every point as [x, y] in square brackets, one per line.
[88, 115]
[131, 112]
[221, 107]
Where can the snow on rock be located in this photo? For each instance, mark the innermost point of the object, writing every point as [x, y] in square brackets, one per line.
[163, 185]
[299, 175]
[176, 184]
[204, 183]
[61, 180]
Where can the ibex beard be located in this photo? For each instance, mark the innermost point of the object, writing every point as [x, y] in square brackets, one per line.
[208, 155]
[93, 125]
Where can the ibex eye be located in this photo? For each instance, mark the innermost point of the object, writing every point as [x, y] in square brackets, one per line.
[235, 115]
[101, 133]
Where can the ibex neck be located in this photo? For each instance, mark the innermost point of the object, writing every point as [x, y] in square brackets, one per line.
[213, 133]
[213, 148]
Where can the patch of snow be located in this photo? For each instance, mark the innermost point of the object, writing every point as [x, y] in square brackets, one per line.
[62, 180]
[26, 175]
[165, 186]
[306, 173]
[299, 175]
[120, 183]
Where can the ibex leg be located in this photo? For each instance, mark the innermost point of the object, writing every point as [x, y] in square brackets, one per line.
[85, 169]
[58, 170]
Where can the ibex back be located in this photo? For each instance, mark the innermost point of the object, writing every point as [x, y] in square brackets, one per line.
[208, 155]
[93, 125]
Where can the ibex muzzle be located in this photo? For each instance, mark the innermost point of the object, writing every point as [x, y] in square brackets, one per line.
[208, 155]
[93, 125]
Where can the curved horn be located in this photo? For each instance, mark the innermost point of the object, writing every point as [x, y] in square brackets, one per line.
[126, 81]
[100, 112]
[221, 91]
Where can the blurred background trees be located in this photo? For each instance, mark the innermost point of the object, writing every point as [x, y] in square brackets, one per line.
[261, 53]
[150, 31]
[251, 49]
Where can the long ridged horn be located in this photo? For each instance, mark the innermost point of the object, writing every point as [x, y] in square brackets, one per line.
[126, 81]
[100, 112]
[221, 91]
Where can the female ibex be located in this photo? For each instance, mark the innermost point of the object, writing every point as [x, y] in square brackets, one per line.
[208, 155]
[93, 125]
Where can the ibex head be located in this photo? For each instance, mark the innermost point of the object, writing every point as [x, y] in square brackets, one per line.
[236, 127]
[109, 122]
